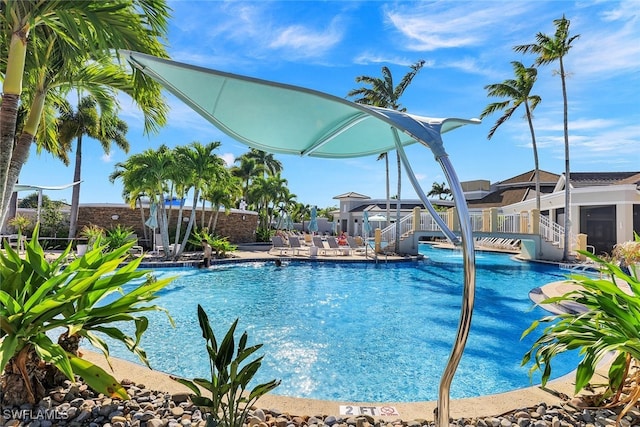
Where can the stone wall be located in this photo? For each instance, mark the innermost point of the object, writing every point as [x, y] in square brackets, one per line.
[239, 226]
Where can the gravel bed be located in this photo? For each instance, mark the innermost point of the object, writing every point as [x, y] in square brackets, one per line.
[77, 405]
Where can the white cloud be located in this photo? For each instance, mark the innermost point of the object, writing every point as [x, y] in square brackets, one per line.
[298, 41]
[431, 26]
[229, 158]
[368, 57]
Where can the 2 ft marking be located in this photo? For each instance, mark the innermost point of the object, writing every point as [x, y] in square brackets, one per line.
[381, 411]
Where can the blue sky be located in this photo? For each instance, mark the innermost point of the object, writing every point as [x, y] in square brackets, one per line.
[324, 45]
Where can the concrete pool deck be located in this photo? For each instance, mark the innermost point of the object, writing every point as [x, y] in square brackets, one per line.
[556, 392]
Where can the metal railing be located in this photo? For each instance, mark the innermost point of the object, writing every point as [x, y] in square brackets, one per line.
[507, 223]
[552, 231]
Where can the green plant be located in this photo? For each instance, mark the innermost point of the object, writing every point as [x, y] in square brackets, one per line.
[264, 234]
[118, 236]
[94, 235]
[84, 298]
[220, 245]
[20, 222]
[231, 372]
[610, 322]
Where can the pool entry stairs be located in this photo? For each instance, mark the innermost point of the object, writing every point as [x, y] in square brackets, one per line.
[544, 241]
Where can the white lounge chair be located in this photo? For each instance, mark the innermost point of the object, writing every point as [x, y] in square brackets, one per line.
[333, 244]
[295, 245]
[278, 244]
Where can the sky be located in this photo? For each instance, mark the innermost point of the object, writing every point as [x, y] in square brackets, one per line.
[466, 45]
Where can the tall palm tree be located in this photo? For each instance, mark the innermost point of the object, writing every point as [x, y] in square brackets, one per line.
[201, 164]
[104, 126]
[246, 171]
[269, 164]
[149, 173]
[382, 93]
[50, 38]
[518, 92]
[550, 49]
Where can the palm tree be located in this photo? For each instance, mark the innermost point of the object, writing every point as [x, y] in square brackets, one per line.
[518, 92]
[269, 165]
[106, 128]
[50, 39]
[246, 171]
[200, 164]
[149, 173]
[440, 190]
[225, 192]
[382, 93]
[550, 49]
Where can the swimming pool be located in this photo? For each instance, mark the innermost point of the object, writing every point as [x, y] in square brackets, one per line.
[358, 332]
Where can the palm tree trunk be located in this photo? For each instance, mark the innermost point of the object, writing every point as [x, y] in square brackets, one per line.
[22, 379]
[8, 118]
[535, 155]
[75, 195]
[567, 185]
[144, 228]
[11, 90]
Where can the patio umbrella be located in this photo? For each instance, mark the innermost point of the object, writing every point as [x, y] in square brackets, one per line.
[313, 222]
[280, 118]
[152, 221]
[366, 225]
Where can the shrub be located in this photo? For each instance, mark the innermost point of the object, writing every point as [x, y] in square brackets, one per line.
[118, 237]
[84, 298]
[609, 323]
[231, 372]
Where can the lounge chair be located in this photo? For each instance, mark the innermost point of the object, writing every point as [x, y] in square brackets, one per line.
[355, 247]
[136, 249]
[318, 243]
[278, 244]
[333, 244]
[294, 244]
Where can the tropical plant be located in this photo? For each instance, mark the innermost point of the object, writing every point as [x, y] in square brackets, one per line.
[231, 371]
[84, 298]
[20, 223]
[441, 190]
[117, 237]
[382, 93]
[518, 92]
[103, 126]
[199, 165]
[609, 322]
[94, 235]
[219, 244]
[47, 42]
[31, 201]
[550, 49]
[53, 221]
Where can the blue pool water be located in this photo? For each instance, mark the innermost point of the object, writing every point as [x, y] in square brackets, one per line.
[358, 332]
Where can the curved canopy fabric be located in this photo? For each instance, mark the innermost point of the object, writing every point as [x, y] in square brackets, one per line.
[281, 118]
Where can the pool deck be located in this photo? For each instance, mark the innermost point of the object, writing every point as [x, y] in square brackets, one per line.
[555, 393]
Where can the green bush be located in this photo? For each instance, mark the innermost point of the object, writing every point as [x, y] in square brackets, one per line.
[84, 298]
[118, 237]
[610, 322]
[231, 372]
